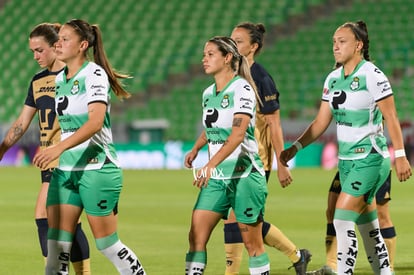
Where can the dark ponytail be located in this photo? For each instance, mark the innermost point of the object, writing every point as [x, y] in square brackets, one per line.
[93, 35]
[256, 33]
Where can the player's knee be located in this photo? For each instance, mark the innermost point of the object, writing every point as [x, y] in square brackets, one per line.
[252, 246]
[197, 242]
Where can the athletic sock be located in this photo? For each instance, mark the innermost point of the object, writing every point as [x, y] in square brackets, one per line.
[275, 238]
[234, 255]
[390, 239]
[123, 258]
[259, 265]
[195, 262]
[42, 228]
[82, 267]
[374, 244]
[79, 254]
[347, 242]
[58, 245]
[233, 246]
[330, 246]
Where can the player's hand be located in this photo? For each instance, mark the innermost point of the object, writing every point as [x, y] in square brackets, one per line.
[403, 169]
[283, 173]
[44, 157]
[202, 176]
[189, 158]
[287, 155]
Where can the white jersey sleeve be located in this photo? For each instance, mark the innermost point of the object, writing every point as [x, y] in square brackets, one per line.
[377, 83]
[244, 100]
[97, 85]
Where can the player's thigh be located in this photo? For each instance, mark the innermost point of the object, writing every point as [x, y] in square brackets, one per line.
[214, 197]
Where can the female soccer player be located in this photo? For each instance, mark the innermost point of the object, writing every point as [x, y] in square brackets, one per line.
[358, 96]
[40, 99]
[269, 135]
[233, 176]
[88, 176]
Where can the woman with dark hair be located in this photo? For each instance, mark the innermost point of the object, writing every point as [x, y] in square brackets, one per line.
[41, 100]
[249, 38]
[88, 176]
[358, 96]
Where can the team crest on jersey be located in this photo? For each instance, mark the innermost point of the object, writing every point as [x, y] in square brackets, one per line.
[75, 87]
[225, 102]
[354, 84]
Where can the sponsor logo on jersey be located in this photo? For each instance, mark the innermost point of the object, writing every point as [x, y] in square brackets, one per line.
[98, 90]
[344, 123]
[359, 150]
[75, 87]
[98, 72]
[70, 130]
[93, 160]
[215, 142]
[270, 97]
[46, 89]
[382, 83]
[385, 85]
[246, 103]
[354, 84]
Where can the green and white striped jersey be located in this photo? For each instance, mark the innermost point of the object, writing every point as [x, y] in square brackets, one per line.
[358, 119]
[90, 84]
[218, 112]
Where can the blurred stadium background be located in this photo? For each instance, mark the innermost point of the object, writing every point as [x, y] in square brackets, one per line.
[160, 44]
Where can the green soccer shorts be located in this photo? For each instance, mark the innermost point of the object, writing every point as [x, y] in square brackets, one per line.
[97, 191]
[247, 197]
[363, 177]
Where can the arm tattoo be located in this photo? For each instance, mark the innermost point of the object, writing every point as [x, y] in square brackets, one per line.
[237, 122]
[15, 134]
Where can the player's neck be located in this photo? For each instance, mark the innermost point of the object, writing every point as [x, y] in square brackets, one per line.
[350, 66]
[223, 79]
[56, 66]
[73, 67]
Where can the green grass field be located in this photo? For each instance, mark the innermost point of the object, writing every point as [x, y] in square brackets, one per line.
[155, 210]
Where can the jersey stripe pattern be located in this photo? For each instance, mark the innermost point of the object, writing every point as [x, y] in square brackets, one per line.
[89, 85]
[358, 119]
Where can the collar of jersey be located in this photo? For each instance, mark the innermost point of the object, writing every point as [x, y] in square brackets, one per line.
[227, 85]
